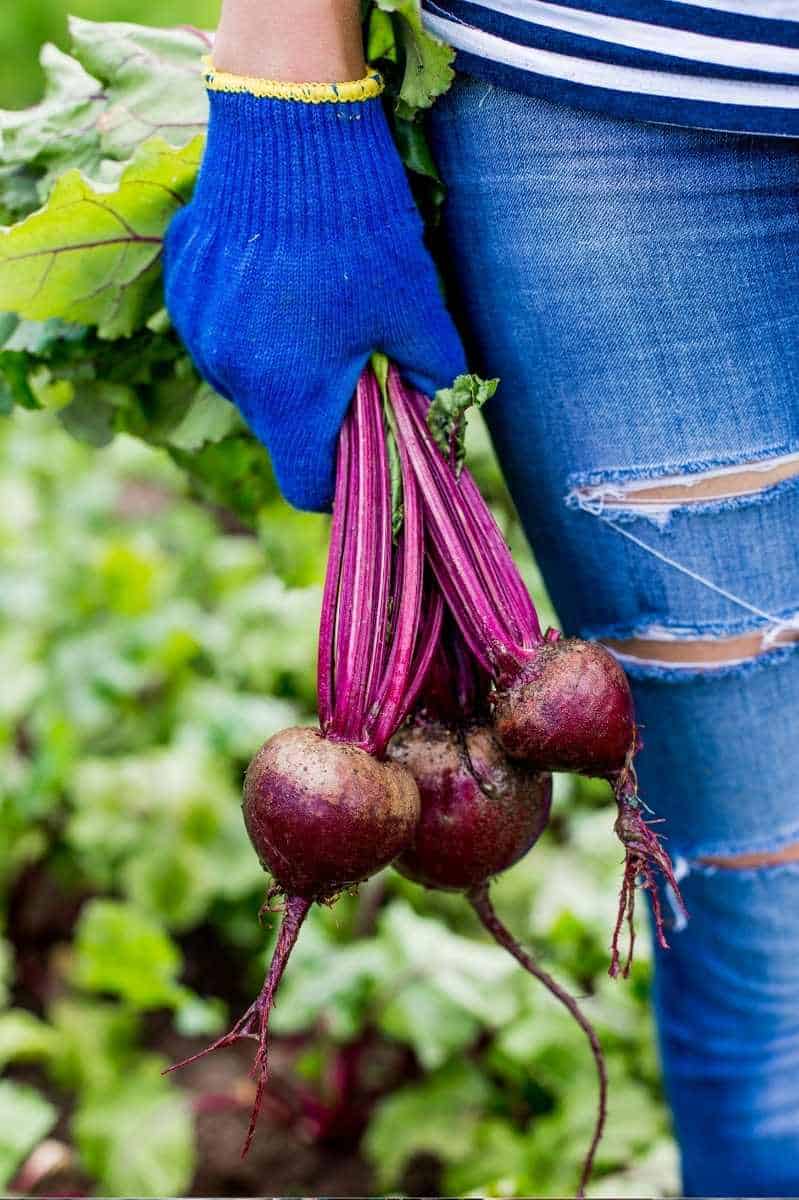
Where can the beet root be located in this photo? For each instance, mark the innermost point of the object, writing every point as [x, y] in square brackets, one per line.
[323, 815]
[568, 707]
[255, 1022]
[482, 905]
[644, 856]
[480, 811]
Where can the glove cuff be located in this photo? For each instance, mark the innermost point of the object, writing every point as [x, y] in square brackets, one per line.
[306, 93]
[328, 168]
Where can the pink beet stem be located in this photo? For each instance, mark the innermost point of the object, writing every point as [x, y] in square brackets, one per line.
[482, 529]
[429, 636]
[450, 555]
[327, 620]
[373, 642]
[343, 630]
[373, 633]
[390, 703]
[476, 548]
[362, 612]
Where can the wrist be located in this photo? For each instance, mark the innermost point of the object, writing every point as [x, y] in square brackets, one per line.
[292, 41]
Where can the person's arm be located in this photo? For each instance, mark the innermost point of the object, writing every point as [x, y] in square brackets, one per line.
[301, 252]
[293, 40]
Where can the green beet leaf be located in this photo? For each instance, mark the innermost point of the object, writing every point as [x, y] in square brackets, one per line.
[447, 412]
[92, 256]
[428, 62]
[19, 193]
[94, 1044]
[439, 1116]
[137, 1139]
[62, 130]
[25, 1118]
[119, 949]
[152, 82]
[24, 1038]
[209, 418]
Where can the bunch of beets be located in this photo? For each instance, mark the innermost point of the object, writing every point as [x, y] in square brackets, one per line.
[443, 709]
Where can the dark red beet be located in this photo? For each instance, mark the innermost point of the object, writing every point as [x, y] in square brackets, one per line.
[567, 708]
[481, 812]
[323, 815]
[559, 704]
[322, 810]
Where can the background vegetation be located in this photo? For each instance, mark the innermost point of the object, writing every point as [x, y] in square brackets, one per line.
[26, 24]
[148, 644]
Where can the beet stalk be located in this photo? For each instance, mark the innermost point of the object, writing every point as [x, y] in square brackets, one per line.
[322, 810]
[559, 704]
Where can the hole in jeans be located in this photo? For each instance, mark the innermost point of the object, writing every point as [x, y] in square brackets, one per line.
[764, 858]
[702, 652]
[720, 483]
[659, 498]
[724, 483]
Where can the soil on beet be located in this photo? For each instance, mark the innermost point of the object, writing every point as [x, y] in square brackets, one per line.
[480, 811]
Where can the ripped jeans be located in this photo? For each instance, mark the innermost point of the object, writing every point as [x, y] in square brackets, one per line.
[636, 288]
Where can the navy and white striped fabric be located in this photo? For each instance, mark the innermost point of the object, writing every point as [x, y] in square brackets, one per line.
[712, 64]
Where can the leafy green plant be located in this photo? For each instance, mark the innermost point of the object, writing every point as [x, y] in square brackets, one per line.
[25, 1117]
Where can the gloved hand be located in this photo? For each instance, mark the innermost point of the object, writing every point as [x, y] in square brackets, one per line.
[299, 255]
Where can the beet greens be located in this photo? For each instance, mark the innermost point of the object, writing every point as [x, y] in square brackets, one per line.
[559, 704]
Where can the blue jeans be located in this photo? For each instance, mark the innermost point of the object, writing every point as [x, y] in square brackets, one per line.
[636, 288]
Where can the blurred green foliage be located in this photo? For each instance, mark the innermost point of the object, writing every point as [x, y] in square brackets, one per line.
[148, 644]
[146, 654]
[26, 24]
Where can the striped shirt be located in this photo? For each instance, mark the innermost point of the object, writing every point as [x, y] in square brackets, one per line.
[711, 64]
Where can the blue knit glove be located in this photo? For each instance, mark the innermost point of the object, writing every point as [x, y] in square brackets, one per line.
[299, 255]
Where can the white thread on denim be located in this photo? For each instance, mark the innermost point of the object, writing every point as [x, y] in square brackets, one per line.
[778, 625]
[682, 869]
[634, 660]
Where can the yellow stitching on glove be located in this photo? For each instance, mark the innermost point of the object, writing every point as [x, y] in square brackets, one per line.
[309, 93]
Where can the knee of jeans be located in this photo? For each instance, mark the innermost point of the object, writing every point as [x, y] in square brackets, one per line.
[690, 650]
